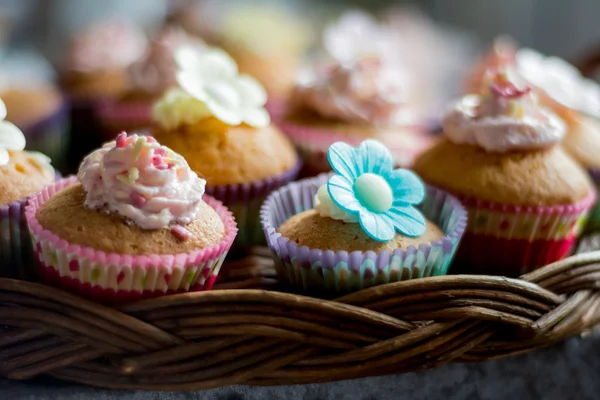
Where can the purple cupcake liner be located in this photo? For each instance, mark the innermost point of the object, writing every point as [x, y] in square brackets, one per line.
[16, 251]
[593, 223]
[245, 200]
[326, 271]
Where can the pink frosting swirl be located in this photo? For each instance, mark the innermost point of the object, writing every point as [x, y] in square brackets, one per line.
[155, 73]
[507, 117]
[137, 178]
[367, 90]
[106, 45]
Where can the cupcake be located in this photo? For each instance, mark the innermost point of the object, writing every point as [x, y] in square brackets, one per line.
[134, 223]
[22, 173]
[35, 104]
[267, 43]
[217, 121]
[95, 71]
[366, 98]
[527, 199]
[360, 226]
[577, 101]
[147, 80]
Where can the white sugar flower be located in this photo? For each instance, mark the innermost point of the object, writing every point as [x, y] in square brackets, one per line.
[11, 137]
[212, 78]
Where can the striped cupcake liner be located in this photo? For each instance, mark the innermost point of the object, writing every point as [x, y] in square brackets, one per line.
[330, 272]
[114, 278]
[245, 201]
[513, 240]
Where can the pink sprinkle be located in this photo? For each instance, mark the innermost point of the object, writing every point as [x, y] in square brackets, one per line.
[122, 140]
[162, 167]
[137, 200]
[171, 165]
[157, 160]
[180, 232]
[150, 139]
[160, 152]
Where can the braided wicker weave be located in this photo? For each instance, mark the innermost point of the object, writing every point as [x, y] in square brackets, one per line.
[242, 333]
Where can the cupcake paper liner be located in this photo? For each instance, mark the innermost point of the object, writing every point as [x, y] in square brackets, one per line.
[337, 272]
[593, 224]
[512, 240]
[116, 117]
[108, 277]
[16, 252]
[313, 145]
[51, 136]
[244, 201]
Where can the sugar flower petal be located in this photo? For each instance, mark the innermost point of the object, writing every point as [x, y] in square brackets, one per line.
[11, 137]
[251, 91]
[342, 158]
[3, 111]
[256, 117]
[374, 158]
[407, 187]
[341, 192]
[376, 226]
[407, 220]
[4, 157]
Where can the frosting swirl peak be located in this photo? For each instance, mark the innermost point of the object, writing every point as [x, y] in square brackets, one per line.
[507, 117]
[142, 181]
[368, 90]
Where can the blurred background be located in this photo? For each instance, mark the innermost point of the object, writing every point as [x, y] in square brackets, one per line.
[55, 43]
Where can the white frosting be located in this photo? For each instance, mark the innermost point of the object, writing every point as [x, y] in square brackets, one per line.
[11, 137]
[325, 206]
[500, 123]
[560, 80]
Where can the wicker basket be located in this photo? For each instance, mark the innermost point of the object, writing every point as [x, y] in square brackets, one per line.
[247, 332]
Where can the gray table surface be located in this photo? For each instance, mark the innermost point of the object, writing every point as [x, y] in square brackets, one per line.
[568, 371]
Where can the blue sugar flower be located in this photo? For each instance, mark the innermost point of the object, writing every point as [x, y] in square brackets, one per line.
[368, 186]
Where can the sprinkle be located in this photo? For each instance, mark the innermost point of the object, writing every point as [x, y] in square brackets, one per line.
[122, 140]
[139, 146]
[150, 139]
[137, 200]
[171, 165]
[123, 178]
[162, 167]
[157, 160]
[133, 174]
[161, 152]
[180, 232]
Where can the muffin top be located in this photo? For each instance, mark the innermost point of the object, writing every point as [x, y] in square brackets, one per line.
[583, 140]
[366, 205]
[141, 196]
[22, 173]
[111, 233]
[216, 119]
[311, 229]
[501, 147]
[28, 105]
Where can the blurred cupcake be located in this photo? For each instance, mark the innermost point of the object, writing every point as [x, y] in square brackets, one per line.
[267, 43]
[502, 54]
[217, 121]
[577, 101]
[22, 173]
[147, 80]
[367, 98]
[132, 224]
[35, 104]
[94, 71]
[527, 199]
[359, 227]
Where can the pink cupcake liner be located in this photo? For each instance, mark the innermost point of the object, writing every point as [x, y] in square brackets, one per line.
[244, 201]
[313, 144]
[117, 116]
[109, 277]
[513, 240]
